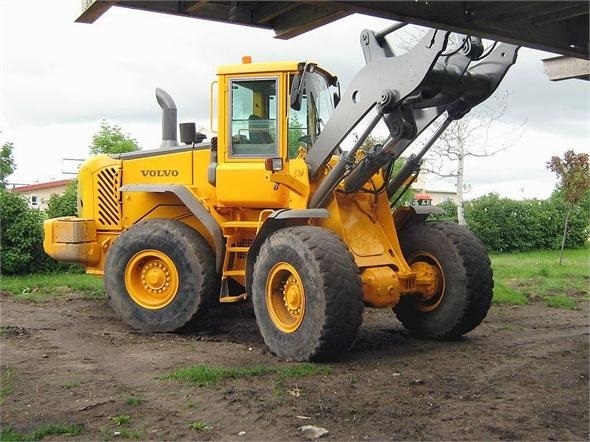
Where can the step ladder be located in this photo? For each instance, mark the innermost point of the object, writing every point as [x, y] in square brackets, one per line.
[232, 250]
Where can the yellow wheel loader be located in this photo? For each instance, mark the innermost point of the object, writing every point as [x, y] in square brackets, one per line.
[276, 210]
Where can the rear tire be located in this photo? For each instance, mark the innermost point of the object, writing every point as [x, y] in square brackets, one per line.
[158, 273]
[307, 294]
[465, 290]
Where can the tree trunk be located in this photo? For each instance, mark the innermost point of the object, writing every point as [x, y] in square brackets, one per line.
[567, 218]
[460, 168]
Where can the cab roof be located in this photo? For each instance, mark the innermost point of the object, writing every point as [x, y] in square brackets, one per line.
[253, 68]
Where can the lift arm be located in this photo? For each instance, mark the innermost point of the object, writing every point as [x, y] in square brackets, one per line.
[409, 92]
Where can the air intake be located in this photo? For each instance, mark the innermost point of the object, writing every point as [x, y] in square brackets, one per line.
[168, 118]
[108, 198]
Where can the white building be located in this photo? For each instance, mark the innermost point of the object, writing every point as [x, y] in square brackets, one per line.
[38, 194]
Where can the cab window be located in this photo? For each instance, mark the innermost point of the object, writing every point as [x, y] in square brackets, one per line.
[253, 127]
[306, 124]
[297, 133]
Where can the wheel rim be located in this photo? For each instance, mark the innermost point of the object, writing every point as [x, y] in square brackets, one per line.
[428, 268]
[151, 279]
[285, 297]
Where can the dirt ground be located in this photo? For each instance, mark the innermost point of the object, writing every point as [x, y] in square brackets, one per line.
[522, 375]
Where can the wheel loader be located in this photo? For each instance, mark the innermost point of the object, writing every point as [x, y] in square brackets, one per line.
[277, 209]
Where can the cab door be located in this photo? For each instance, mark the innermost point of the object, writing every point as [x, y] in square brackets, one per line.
[254, 132]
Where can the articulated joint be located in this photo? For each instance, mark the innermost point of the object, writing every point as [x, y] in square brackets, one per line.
[387, 99]
[382, 286]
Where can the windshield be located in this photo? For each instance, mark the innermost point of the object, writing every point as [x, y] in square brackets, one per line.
[317, 105]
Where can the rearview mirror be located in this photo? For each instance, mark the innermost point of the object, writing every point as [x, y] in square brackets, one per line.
[296, 92]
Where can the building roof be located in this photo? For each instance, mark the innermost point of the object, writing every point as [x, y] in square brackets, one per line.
[41, 186]
[554, 26]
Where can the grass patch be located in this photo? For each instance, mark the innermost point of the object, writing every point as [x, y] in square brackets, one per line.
[5, 384]
[120, 433]
[522, 277]
[122, 419]
[561, 301]
[199, 426]
[203, 375]
[124, 433]
[506, 295]
[42, 432]
[57, 429]
[302, 370]
[71, 384]
[10, 434]
[134, 401]
[42, 286]
[191, 404]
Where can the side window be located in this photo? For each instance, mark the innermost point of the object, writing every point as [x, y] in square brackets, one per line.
[253, 126]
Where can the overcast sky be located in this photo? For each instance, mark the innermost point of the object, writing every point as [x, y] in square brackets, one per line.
[59, 78]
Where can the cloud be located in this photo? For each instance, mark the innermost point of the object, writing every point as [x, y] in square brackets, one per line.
[65, 71]
[59, 78]
[562, 106]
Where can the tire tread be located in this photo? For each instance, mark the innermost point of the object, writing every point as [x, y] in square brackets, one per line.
[342, 291]
[199, 257]
[478, 287]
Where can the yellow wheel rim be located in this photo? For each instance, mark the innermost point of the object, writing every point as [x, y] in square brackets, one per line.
[151, 279]
[428, 268]
[285, 297]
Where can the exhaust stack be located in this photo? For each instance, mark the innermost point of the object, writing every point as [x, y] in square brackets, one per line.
[168, 118]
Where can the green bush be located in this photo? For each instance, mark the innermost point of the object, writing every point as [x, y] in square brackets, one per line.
[506, 225]
[450, 212]
[579, 222]
[499, 222]
[21, 239]
[65, 204]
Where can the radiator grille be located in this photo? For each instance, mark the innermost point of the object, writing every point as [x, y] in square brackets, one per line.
[108, 197]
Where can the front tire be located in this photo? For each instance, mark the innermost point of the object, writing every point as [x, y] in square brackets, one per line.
[458, 264]
[158, 273]
[307, 294]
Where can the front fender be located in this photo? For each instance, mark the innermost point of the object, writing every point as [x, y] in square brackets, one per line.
[402, 216]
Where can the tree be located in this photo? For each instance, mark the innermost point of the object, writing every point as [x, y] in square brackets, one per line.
[469, 137]
[406, 197]
[573, 173]
[7, 164]
[295, 132]
[110, 139]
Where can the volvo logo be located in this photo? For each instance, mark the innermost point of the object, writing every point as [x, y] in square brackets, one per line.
[159, 172]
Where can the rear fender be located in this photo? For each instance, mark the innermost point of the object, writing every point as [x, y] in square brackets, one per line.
[195, 206]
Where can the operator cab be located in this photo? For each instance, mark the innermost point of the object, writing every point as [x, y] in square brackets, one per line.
[266, 113]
